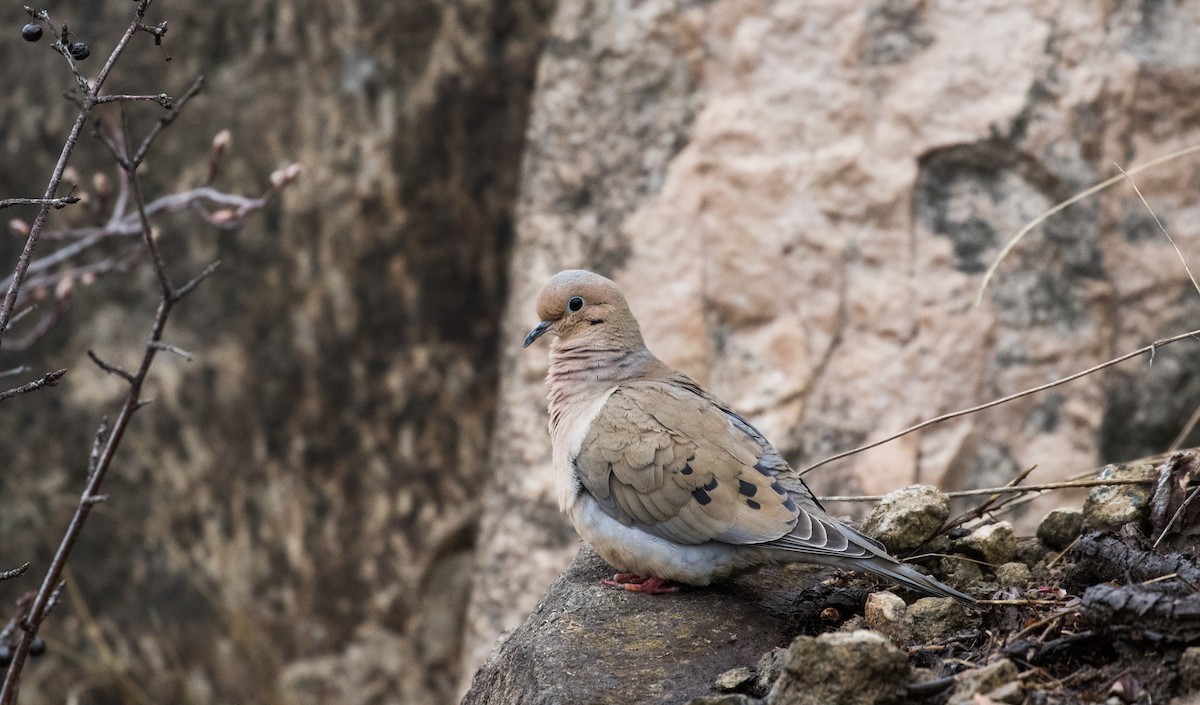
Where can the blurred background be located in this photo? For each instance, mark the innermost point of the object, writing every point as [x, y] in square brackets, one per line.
[346, 496]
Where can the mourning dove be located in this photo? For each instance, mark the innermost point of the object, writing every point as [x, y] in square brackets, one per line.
[664, 480]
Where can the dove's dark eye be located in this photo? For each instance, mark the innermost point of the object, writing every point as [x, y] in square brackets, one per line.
[575, 304]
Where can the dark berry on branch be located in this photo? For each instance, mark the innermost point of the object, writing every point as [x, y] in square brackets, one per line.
[79, 51]
[31, 32]
[37, 647]
[5, 654]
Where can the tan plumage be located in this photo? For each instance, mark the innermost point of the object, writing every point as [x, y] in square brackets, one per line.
[662, 478]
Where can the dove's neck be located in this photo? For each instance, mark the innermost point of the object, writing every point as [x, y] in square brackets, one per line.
[580, 373]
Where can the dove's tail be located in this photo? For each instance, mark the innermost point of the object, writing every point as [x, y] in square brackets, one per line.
[894, 570]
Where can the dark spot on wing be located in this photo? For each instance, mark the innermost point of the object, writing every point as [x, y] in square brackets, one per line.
[747, 488]
[687, 469]
[778, 488]
[752, 504]
[701, 497]
[712, 485]
[791, 506]
[763, 468]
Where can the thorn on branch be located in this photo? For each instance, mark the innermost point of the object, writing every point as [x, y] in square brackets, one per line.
[9, 574]
[110, 368]
[54, 597]
[95, 499]
[97, 447]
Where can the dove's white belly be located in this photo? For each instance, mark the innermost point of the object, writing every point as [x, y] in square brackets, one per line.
[632, 550]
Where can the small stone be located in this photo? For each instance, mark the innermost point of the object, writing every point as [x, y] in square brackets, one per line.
[733, 679]
[1030, 551]
[770, 665]
[1014, 574]
[854, 668]
[855, 623]
[908, 517]
[1011, 693]
[884, 612]
[983, 680]
[960, 572]
[932, 618]
[1189, 669]
[728, 699]
[1060, 528]
[994, 543]
[1110, 507]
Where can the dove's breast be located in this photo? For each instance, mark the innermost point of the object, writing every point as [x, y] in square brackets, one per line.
[633, 550]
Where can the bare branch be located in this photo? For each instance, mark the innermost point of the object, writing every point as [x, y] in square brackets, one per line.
[23, 262]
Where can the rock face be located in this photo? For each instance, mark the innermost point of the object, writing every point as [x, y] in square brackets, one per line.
[800, 201]
[669, 648]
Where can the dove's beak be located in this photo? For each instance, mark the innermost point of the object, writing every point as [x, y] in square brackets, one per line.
[538, 331]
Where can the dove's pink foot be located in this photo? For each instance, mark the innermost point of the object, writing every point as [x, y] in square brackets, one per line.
[639, 583]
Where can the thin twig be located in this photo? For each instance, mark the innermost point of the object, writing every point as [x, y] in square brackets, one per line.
[166, 101]
[167, 347]
[1021, 601]
[1004, 400]
[1185, 431]
[1175, 517]
[1005, 490]
[980, 510]
[110, 368]
[1158, 222]
[1063, 552]
[1012, 242]
[167, 119]
[1043, 622]
[9, 574]
[47, 380]
[51, 202]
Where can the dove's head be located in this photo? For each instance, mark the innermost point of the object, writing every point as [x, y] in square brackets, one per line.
[578, 306]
